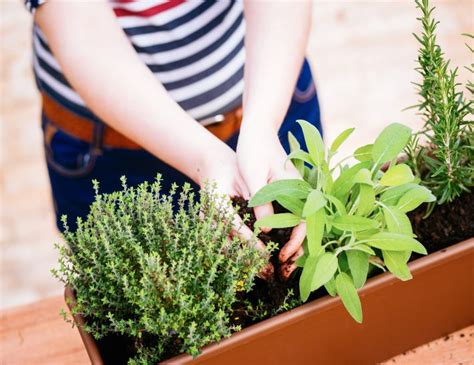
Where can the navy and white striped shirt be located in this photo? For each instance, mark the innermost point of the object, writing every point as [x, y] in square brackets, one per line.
[194, 48]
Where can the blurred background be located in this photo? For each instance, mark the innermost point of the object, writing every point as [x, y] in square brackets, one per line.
[363, 55]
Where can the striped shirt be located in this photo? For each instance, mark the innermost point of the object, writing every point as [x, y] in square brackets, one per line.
[194, 48]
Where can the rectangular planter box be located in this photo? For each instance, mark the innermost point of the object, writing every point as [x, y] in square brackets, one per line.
[398, 316]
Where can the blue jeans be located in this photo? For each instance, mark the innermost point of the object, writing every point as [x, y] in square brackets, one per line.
[73, 164]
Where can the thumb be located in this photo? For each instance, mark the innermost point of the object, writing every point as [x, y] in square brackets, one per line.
[262, 210]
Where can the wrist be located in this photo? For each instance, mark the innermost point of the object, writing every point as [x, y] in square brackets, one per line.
[215, 156]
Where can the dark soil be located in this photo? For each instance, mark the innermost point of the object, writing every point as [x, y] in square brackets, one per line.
[270, 294]
[446, 225]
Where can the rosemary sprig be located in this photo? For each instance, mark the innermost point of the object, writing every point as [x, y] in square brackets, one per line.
[445, 165]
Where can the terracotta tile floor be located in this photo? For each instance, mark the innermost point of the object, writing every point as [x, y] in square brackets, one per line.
[363, 56]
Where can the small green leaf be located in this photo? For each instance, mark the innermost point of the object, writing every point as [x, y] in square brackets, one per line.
[353, 223]
[331, 287]
[345, 181]
[363, 176]
[343, 262]
[294, 205]
[359, 266]
[396, 264]
[325, 269]
[293, 142]
[397, 221]
[298, 189]
[364, 153]
[307, 277]
[413, 198]
[396, 242]
[397, 175]
[281, 220]
[314, 141]
[315, 201]
[390, 143]
[301, 156]
[295, 146]
[366, 200]
[392, 195]
[341, 209]
[348, 293]
[315, 231]
[340, 139]
[363, 248]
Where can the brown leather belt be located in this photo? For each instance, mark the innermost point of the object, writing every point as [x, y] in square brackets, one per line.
[222, 126]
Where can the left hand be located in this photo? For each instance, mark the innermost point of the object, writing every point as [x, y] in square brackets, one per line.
[262, 160]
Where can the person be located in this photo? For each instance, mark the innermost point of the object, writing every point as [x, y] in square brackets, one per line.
[195, 90]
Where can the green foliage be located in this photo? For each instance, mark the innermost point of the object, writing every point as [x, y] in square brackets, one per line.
[168, 280]
[446, 164]
[355, 215]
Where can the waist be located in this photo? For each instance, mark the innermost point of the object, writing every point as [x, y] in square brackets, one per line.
[223, 126]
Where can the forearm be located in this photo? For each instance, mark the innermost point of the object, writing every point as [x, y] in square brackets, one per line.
[101, 65]
[275, 44]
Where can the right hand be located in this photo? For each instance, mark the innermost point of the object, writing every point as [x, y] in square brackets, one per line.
[221, 167]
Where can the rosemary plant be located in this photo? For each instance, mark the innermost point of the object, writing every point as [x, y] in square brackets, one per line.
[445, 165]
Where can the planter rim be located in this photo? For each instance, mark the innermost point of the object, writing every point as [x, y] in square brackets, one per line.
[295, 315]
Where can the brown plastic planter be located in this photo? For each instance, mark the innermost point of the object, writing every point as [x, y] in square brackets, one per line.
[397, 316]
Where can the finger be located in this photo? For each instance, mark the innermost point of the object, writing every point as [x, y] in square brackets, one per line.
[288, 267]
[296, 241]
[263, 211]
[239, 229]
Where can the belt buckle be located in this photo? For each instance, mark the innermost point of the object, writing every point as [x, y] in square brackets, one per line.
[215, 119]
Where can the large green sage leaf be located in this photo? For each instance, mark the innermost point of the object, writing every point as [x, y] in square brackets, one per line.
[307, 276]
[315, 231]
[353, 223]
[280, 220]
[396, 264]
[366, 200]
[315, 201]
[413, 198]
[348, 293]
[396, 242]
[397, 175]
[296, 188]
[325, 269]
[392, 195]
[294, 205]
[359, 266]
[390, 143]
[314, 141]
[330, 286]
[397, 221]
[363, 248]
[363, 176]
[339, 140]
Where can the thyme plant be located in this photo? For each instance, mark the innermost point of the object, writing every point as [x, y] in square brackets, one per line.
[168, 280]
[355, 215]
[446, 164]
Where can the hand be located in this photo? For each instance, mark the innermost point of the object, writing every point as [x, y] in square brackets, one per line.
[221, 167]
[262, 159]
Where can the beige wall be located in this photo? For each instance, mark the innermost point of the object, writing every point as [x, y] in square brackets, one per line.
[363, 57]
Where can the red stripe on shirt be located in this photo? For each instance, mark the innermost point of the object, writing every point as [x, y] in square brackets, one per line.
[150, 11]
